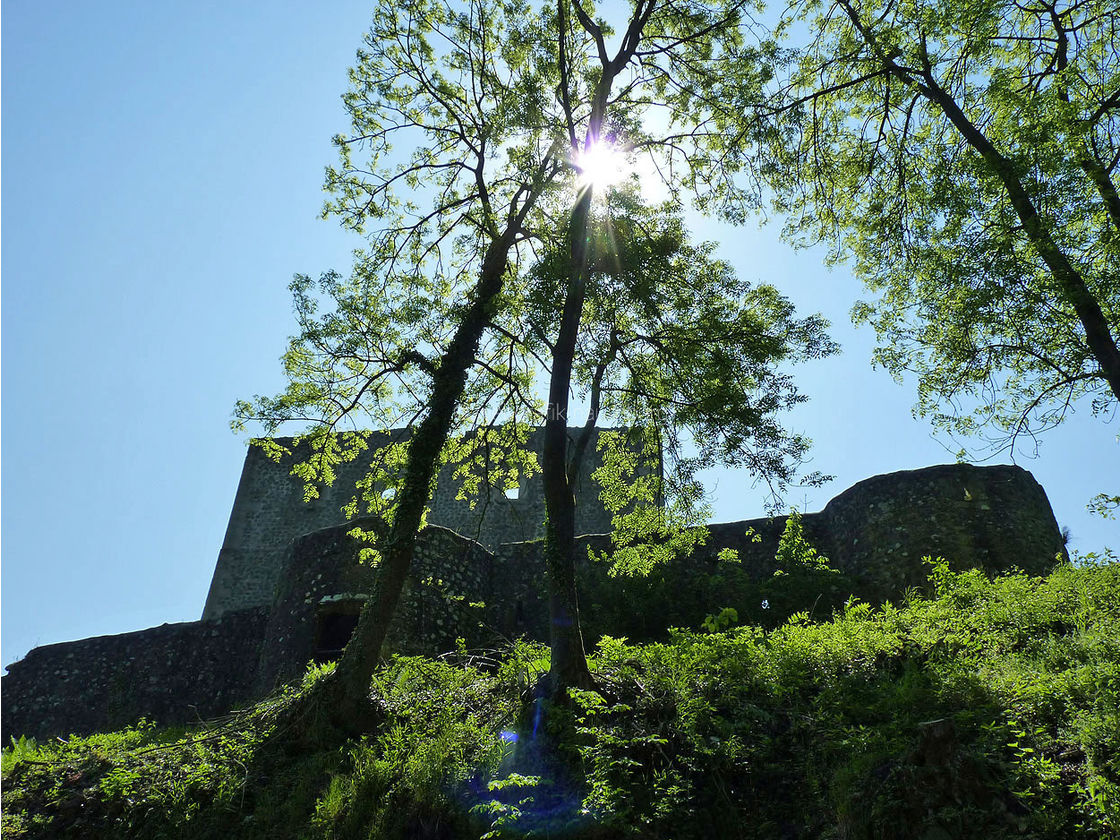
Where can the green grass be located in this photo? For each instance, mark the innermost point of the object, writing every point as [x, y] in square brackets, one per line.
[990, 709]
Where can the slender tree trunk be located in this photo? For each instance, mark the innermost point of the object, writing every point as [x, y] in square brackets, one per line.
[1098, 334]
[569, 660]
[363, 653]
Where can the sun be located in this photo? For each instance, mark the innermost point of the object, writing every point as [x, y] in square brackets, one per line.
[602, 165]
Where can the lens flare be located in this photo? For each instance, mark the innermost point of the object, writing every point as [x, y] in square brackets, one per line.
[601, 165]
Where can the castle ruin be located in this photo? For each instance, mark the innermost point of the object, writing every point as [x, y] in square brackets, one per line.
[269, 512]
[288, 584]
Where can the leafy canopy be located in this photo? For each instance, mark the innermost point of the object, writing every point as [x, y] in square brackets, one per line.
[463, 122]
[691, 359]
[962, 154]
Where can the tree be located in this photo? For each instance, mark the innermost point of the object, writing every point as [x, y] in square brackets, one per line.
[672, 56]
[491, 99]
[675, 347]
[464, 88]
[964, 155]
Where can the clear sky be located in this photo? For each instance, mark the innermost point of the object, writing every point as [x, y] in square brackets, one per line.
[161, 174]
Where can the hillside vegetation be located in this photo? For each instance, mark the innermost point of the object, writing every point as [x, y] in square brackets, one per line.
[989, 708]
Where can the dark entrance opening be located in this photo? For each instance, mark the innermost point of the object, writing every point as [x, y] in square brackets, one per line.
[334, 626]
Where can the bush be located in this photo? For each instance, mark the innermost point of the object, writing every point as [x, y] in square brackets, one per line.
[990, 709]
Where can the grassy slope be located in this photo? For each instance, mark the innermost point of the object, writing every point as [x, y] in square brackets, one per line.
[989, 710]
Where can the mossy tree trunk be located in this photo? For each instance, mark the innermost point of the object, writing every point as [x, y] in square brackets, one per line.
[363, 653]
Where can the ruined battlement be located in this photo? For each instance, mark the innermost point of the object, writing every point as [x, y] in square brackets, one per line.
[302, 596]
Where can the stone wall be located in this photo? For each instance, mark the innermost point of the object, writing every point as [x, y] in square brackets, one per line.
[456, 589]
[269, 512]
[876, 532]
[996, 518]
[172, 674]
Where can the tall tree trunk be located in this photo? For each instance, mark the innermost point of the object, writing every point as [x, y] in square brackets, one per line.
[363, 653]
[569, 660]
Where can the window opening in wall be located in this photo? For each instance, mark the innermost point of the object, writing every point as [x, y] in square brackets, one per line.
[334, 625]
[514, 493]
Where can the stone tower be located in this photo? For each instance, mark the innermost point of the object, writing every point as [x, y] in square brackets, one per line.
[269, 512]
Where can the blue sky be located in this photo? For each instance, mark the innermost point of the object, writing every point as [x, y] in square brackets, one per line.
[161, 174]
